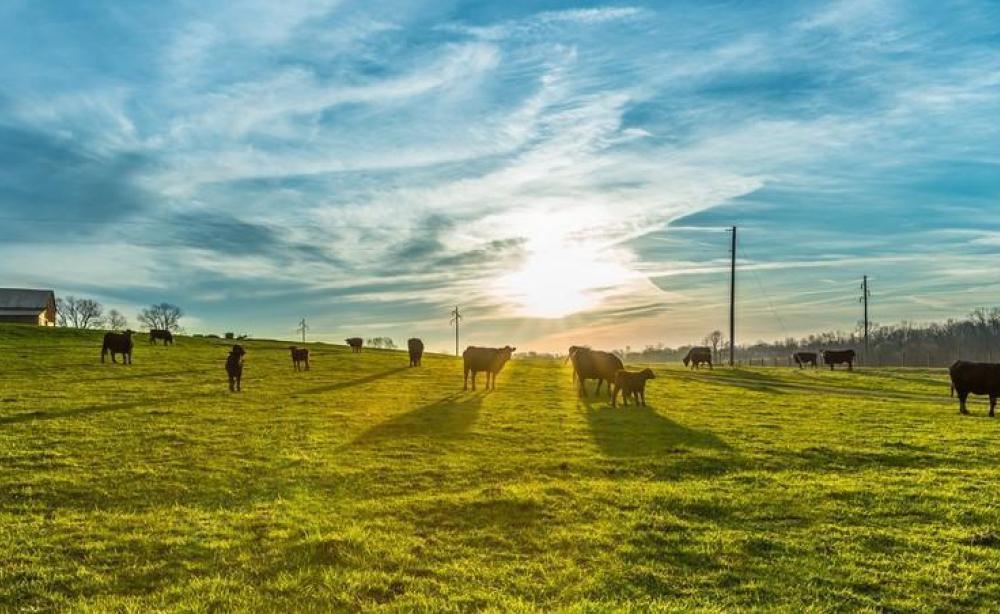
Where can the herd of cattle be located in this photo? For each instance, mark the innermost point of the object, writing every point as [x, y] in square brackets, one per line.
[605, 367]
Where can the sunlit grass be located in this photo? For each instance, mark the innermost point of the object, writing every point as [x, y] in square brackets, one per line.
[363, 484]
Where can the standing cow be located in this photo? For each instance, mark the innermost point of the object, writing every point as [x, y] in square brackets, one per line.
[234, 367]
[165, 335]
[805, 358]
[355, 343]
[118, 343]
[976, 378]
[490, 360]
[697, 356]
[300, 358]
[838, 357]
[416, 348]
[593, 364]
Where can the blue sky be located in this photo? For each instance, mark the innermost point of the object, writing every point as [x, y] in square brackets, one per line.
[564, 171]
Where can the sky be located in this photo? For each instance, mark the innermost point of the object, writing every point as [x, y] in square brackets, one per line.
[565, 172]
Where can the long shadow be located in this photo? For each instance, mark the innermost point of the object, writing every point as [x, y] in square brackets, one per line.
[75, 412]
[451, 417]
[628, 432]
[349, 383]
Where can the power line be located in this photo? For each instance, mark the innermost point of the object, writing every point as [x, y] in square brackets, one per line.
[732, 299]
[767, 296]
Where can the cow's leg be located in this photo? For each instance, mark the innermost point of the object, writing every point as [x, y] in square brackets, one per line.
[993, 404]
[465, 385]
[850, 365]
[614, 396]
[232, 384]
[474, 373]
[582, 389]
[962, 397]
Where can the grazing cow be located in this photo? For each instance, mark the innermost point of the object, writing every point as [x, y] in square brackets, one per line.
[976, 378]
[631, 383]
[490, 360]
[416, 347]
[806, 358]
[593, 364]
[234, 367]
[118, 343]
[837, 357]
[698, 355]
[300, 358]
[355, 343]
[165, 335]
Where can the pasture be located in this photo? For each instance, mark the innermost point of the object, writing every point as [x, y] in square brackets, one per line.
[365, 484]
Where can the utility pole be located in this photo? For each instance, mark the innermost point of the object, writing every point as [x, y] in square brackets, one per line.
[732, 299]
[456, 317]
[865, 293]
[302, 329]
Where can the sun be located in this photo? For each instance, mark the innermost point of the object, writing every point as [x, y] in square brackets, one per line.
[560, 281]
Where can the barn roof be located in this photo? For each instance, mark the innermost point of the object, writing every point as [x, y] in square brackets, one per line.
[20, 298]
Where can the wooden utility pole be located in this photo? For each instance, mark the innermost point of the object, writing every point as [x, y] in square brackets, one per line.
[865, 293]
[456, 318]
[302, 329]
[732, 300]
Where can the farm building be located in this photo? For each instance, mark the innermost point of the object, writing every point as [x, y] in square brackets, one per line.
[21, 306]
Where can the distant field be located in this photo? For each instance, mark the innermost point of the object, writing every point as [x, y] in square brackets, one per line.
[366, 484]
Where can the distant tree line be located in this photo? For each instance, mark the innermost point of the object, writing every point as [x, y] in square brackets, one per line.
[937, 344]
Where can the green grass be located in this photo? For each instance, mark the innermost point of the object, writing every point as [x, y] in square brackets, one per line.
[365, 484]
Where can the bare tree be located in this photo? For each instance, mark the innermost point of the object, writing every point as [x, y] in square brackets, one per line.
[116, 320]
[161, 317]
[714, 338]
[76, 312]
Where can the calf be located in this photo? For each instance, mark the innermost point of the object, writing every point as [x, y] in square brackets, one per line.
[490, 360]
[118, 343]
[976, 378]
[234, 367]
[416, 348]
[355, 343]
[300, 358]
[631, 383]
[805, 358]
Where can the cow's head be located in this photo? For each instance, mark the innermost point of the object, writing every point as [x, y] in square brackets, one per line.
[647, 374]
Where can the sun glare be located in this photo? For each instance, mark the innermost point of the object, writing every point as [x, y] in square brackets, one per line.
[561, 281]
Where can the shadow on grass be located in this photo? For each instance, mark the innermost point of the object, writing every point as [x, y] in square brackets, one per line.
[449, 418]
[350, 383]
[640, 431]
[78, 412]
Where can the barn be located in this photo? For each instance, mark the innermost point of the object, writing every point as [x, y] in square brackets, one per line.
[21, 306]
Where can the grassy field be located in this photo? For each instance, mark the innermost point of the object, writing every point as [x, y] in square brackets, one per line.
[366, 484]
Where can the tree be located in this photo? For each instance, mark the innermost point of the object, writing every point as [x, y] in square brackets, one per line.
[76, 312]
[116, 320]
[161, 317]
[714, 338]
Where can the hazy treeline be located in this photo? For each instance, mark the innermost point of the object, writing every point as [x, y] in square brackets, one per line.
[937, 344]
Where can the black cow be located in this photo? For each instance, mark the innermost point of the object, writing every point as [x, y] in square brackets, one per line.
[490, 360]
[976, 378]
[837, 357]
[234, 367]
[118, 343]
[300, 358]
[593, 364]
[416, 347]
[696, 356]
[805, 358]
[165, 335]
[355, 343]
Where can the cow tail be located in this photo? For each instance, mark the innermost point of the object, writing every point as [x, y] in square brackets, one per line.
[952, 393]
